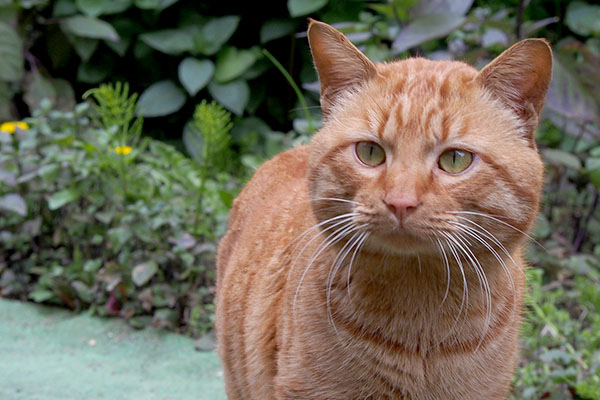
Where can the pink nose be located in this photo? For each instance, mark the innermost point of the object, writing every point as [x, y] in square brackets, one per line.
[402, 206]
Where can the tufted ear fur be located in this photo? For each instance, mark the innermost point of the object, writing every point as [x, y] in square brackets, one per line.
[520, 78]
[339, 63]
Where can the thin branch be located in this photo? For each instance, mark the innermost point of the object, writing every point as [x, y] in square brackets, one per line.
[582, 232]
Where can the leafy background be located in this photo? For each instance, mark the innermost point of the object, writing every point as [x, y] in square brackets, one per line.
[115, 203]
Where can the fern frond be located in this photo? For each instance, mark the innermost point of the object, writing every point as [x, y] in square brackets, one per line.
[115, 107]
[213, 123]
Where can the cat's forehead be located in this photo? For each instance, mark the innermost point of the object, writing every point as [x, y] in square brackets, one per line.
[419, 97]
[415, 74]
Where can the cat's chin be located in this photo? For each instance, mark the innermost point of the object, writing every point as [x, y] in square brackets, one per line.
[402, 243]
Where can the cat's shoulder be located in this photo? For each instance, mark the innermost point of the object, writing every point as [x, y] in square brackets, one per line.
[282, 174]
[282, 170]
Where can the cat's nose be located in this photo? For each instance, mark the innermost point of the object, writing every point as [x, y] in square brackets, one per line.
[402, 206]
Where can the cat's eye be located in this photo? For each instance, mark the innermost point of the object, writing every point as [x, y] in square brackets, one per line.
[455, 161]
[370, 153]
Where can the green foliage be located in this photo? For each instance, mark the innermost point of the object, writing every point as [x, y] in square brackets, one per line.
[86, 223]
[561, 336]
[99, 40]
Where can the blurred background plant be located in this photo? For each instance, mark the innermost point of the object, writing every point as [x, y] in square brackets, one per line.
[99, 210]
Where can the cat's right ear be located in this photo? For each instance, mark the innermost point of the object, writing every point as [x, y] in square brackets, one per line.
[340, 65]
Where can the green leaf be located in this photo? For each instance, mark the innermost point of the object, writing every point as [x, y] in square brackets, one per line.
[161, 98]
[7, 177]
[59, 199]
[92, 72]
[63, 8]
[583, 19]
[92, 265]
[118, 237]
[426, 28]
[94, 8]
[275, 29]
[428, 7]
[84, 47]
[169, 41]
[89, 27]
[542, 228]
[154, 4]
[84, 292]
[595, 152]
[299, 8]
[37, 88]
[560, 157]
[592, 164]
[65, 96]
[6, 109]
[226, 198]
[233, 95]
[231, 63]
[13, 202]
[571, 92]
[216, 33]
[11, 53]
[126, 28]
[142, 273]
[41, 295]
[195, 74]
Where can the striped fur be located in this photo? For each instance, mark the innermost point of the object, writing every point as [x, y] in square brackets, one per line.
[322, 295]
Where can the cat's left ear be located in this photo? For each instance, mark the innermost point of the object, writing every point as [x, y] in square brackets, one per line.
[340, 65]
[520, 78]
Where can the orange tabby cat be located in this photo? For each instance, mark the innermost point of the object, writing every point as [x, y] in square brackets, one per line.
[384, 259]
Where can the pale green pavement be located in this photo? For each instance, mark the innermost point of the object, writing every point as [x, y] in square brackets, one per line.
[48, 353]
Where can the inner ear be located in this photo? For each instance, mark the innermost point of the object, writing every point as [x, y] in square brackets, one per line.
[339, 64]
[520, 78]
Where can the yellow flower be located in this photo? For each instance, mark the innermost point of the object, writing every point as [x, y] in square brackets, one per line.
[122, 150]
[11, 126]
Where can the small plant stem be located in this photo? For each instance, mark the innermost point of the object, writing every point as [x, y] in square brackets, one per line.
[581, 232]
[122, 173]
[203, 175]
[290, 80]
[519, 20]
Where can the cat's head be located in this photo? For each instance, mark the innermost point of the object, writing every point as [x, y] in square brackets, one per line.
[419, 152]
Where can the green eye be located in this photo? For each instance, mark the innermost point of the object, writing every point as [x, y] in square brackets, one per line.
[370, 153]
[455, 161]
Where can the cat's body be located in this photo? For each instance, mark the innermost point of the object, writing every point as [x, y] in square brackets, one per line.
[343, 280]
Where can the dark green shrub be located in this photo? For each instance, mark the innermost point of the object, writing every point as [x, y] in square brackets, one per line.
[92, 216]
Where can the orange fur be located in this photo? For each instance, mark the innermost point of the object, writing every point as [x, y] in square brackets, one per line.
[312, 305]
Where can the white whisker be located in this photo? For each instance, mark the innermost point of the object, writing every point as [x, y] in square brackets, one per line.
[477, 235]
[345, 218]
[337, 236]
[500, 221]
[336, 265]
[357, 250]
[447, 265]
[464, 304]
[484, 285]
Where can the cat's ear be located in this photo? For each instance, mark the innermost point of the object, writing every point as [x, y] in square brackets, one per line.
[340, 65]
[520, 78]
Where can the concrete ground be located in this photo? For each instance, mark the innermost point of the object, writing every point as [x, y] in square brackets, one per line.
[48, 353]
